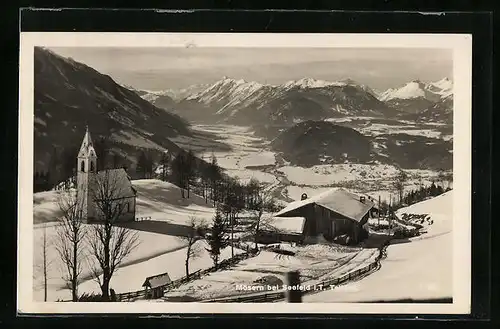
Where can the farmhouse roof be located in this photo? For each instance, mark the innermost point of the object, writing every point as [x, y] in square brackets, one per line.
[339, 200]
[156, 281]
[120, 182]
[291, 225]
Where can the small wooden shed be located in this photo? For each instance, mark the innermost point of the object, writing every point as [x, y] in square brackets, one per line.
[155, 285]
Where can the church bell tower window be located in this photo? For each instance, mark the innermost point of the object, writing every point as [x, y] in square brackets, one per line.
[91, 166]
[82, 166]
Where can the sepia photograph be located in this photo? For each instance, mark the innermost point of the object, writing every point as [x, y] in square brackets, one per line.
[167, 172]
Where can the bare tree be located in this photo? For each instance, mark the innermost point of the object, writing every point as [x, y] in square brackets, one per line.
[45, 263]
[70, 239]
[193, 250]
[43, 268]
[109, 243]
[262, 201]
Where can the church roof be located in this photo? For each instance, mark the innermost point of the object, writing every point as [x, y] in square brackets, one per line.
[87, 147]
[119, 182]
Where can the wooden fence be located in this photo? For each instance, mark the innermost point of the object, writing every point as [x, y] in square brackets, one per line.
[139, 294]
[139, 219]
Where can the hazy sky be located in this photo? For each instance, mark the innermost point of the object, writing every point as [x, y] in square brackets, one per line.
[163, 68]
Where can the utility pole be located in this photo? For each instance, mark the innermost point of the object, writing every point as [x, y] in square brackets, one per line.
[44, 264]
[232, 235]
[293, 281]
[389, 214]
[379, 209]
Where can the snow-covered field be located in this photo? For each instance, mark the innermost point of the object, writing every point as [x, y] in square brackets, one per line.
[419, 269]
[373, 180]
[131, 278]
[332, 174]
[162, 201]
[159, 202]
[376, 129]
[150, 246]
[245, 175]
[316, 263]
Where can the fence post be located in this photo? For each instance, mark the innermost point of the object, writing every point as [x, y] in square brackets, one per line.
[293, 279]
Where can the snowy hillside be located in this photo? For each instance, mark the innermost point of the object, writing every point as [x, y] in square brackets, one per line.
[69, 95]
[439, 210]
[419, 269]
[366, 88]
[161, 201]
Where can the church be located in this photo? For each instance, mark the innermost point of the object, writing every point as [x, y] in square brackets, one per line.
[95, 186]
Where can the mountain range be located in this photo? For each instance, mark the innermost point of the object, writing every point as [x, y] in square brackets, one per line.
[241, 102]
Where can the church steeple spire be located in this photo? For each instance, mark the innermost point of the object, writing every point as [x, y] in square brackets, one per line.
[87, 158]
[87, 145]
[86, 170]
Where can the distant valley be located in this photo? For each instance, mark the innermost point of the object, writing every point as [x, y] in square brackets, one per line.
[312, 122]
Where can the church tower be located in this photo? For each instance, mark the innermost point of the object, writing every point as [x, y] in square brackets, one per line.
[86, 169]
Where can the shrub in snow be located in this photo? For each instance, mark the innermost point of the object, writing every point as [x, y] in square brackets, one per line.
[85, 297]
[270, 280]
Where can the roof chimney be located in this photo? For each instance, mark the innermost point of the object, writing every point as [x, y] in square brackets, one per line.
[303, 196]
[362, 199]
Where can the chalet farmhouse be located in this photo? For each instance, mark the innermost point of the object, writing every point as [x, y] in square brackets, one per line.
[93, 186]
[328, 215]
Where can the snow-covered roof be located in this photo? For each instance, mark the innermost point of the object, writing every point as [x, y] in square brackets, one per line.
[157, 281]
[339, 200]
[119, 182]
[293, 225]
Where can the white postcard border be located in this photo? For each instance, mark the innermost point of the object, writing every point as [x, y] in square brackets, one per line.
[461, 45]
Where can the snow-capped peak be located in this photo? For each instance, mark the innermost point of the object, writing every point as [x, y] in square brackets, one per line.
[443, 84]
[311, 83]
[418, 89]
[412, 89]
[226, 88]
